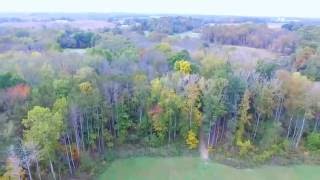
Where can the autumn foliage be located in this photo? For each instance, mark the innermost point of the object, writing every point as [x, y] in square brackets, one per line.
[192, 140]
[183, 66]
[18, 92]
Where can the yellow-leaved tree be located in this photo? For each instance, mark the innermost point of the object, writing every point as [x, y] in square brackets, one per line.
[86, 88]
[183, 66]
[192, 140]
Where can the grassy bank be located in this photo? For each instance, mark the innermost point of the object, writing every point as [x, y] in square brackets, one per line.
[194, 168]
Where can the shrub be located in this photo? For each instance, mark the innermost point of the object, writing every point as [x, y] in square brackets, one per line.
[86, 88]
[182, 55]
[9, 80]
[164, 47]
[108, 139]
[87, 163]
[244, 147]
[269, 153]
[266, 70]
[192, 140]
[313, 141]
[155, 141]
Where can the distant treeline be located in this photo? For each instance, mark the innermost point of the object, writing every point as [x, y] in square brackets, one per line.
[257, 36]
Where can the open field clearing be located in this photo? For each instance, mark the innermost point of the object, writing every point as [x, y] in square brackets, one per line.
[194, 168]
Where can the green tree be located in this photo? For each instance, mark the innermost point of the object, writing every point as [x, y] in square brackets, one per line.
[214, 106]
[263, 104]
[43, 127]
[62, 87]
[164, 110]
[295, 87]
[312, 70]
[164, 47]
[9, 80]
[242, 142]
[124, 122]
[214, 67]
[265, 69]
[182, 55]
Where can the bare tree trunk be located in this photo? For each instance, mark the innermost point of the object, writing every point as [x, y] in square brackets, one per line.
[74, 118]
[52, 170]
[140, 115]
[277, 112]
[112, 121]
[217, 134]
[102, 134]
[117, 121]
[223, 129]
[213, 135]
[59, 174]
[68, 158]
[88, 132]
[301, 131]
[82, 133]
[38, 169]
[70, 150]
[27, 161]
[175, 127]
[316, 124]
[169, 129]
[190, 117]
[76, 133]
[289, 128]
[279, 108]
[295, 130]
[29, 171]
[256, 127]
[209, 135]
[98, 138]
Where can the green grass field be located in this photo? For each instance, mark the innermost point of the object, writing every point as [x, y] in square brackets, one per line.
[188, 168]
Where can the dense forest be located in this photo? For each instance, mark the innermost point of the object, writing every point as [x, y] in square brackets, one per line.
[72, 97]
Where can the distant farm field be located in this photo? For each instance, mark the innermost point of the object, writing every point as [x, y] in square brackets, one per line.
[188, 168]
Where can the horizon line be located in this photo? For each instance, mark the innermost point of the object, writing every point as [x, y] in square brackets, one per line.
[157, 13]
[149, 14]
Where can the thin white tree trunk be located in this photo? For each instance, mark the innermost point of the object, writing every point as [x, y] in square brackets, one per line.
[217, 134]
[169, 129]
[316, 125]
[209, 135]
[27, 161]
[301, 131]
[175, 127]
[68, 158]
[38, 169]
[190, 117]
[82, 133]
[70, 150]
[289, 128]
[295, 131]
[140, 115]
[256, 127]
[29, 171]
[52, 170]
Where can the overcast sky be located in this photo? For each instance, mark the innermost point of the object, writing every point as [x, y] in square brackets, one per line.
[293, 8]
